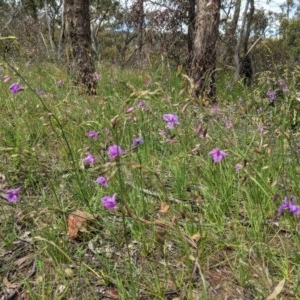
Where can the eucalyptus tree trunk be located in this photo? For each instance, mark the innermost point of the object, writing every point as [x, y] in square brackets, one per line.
[79, 44]
[248, 27]
[242, 56]
[140, 4]
[191, 28]
[204, 55]
[229, 37]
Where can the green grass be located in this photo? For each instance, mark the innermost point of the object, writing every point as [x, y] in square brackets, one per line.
[185, 227]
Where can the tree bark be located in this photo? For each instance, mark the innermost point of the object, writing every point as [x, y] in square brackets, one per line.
[140, 7]
[191, 28]
[79, 44]
[230, 32]
[203, 62]
[242, 57]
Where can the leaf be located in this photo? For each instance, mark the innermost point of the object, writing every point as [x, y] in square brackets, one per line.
[114, 121]
[112, 294]
[8, 38]
[164, 207]
[24, 261]
[9, 285]
[69, 272]
[76, 222]
[277, 290]
[196, 236]
[174, 219]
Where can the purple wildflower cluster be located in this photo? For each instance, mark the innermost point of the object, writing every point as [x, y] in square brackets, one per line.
[272, 94]
[113, 152]
[16, 88]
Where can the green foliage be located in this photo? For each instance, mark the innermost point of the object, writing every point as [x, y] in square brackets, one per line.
[9, 46]
[291, 36]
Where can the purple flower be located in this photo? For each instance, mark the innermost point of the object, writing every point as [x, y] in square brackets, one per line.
[163, 132]
[114, 151]
[271, 95]
[217, 154]
[148, 81]
[136, 142]
[238, 167]
[129, 110]
[89, 159]
[16, 88]
[170, 140]
[171, 119]
[96, 76]
[215, 109]
[201, 131]
[290, 205]
[261, 129]
[228, 123]
[93, 134]
[59, 83]
[40, 91]
[12, 195]
[142, 105]
[102, 180]
[285, 88]
[109, 202]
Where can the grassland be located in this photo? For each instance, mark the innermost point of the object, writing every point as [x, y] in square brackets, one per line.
[186, 227]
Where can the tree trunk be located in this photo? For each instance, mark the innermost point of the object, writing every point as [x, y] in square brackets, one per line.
[248, 27]
[140, 7]
[203, 62]
[229, 38]
[191, 28]
[242, 57]
[79, 44]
